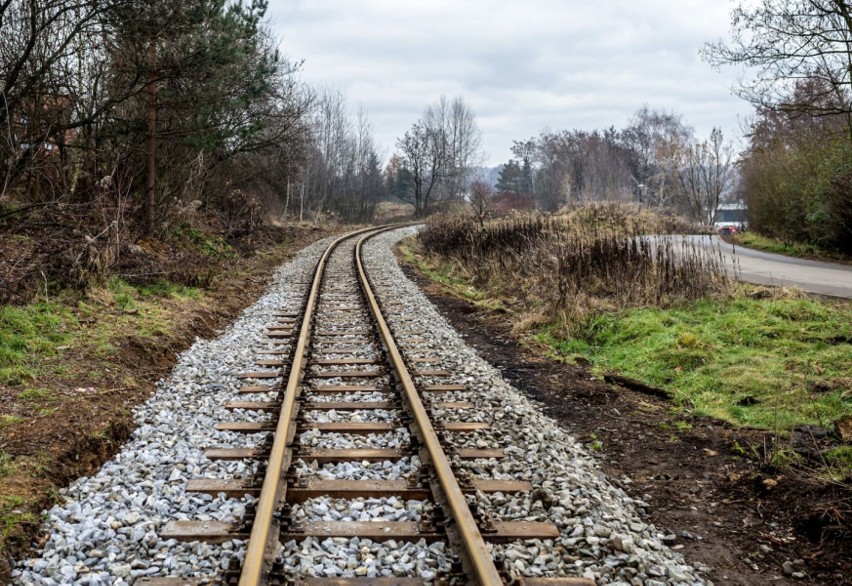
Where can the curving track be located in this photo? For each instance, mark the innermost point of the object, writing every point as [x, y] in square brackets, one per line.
[333, 374]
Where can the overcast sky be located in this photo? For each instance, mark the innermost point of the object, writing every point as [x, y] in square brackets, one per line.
[522, 65]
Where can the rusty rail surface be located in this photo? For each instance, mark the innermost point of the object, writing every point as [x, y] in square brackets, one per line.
[476, 550]
[262, 537]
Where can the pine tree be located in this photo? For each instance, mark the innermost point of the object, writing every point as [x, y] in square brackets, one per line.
[206, 75]
[514, 186]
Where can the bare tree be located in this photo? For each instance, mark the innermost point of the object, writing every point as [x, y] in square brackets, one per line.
[481, 198]
[464, 149]
[652, 135]
[437, 154]
[423, 161]
[787, 41]
[704, 173]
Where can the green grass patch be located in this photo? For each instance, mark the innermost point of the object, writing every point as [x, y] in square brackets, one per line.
[31, 336]
[37, 395]
[797, 249]
[13, 514]
[839, 461]
[751, 362]
[164, 288]
[28, 334]
[785, 458]
[141, 314]
[127, 296]
[7, 466]
[123, 294]
[9, 421]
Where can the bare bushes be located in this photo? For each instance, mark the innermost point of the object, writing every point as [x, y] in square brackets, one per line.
[619, 270]
[67, 244]
[564, 267]
[461, 236]
[629, 217]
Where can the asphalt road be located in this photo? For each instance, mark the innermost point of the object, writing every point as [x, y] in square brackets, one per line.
[765, 268]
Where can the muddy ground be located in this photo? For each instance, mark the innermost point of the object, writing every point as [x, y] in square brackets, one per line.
[703, 479]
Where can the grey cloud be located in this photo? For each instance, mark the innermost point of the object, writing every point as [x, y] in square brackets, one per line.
[522, 65]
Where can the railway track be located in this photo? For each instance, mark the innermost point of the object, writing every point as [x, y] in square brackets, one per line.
[341, 393]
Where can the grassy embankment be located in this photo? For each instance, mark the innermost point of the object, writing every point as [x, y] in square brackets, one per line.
[43, 373]
[750, 356]
[73, 364]
[754, 240]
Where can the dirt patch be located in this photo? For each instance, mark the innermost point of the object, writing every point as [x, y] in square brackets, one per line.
[88, 417]
[702, 478]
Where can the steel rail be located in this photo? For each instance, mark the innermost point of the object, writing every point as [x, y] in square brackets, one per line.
[256, 564]
[475, 546]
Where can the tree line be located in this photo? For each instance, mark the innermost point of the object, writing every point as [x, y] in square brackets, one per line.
[656, 160]
[797, 166]
[127, 115]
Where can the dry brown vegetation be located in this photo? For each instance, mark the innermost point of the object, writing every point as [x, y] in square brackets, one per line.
[562, 267]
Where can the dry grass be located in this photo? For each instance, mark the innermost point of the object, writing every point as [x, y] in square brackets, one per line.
[628, 217]
[581, 261]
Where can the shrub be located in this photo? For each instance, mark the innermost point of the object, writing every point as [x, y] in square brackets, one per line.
[802, 193]
[567, 265]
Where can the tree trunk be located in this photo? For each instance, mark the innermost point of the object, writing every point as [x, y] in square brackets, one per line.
[151, 145]
[287, 200]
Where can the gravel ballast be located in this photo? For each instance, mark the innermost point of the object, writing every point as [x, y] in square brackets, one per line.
[107, 530]
[603, 535]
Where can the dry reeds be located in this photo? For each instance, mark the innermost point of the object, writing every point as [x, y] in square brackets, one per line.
[586, 260]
